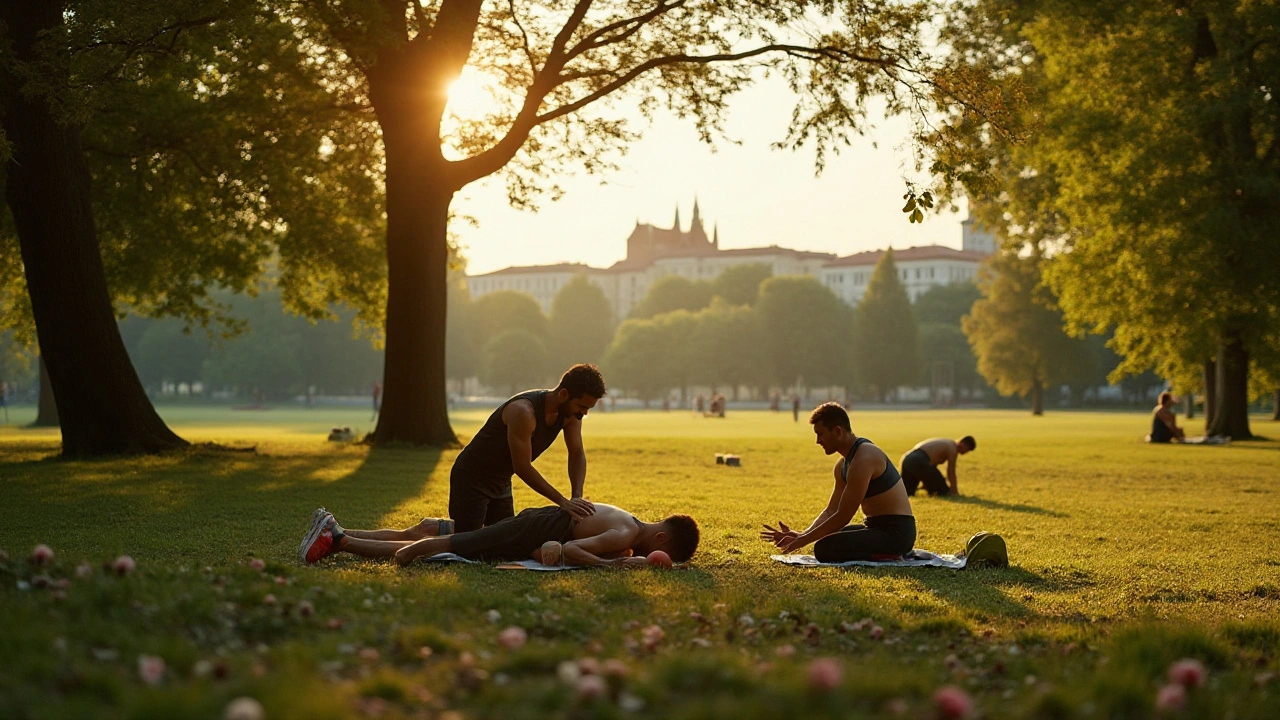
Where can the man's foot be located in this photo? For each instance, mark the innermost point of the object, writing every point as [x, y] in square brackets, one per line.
[321, 540]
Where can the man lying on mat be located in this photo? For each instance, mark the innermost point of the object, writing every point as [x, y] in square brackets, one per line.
[864, 477]
[607, 537]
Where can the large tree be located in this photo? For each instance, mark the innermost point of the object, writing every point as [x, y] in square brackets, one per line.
[887, 349]
[807, 332]
[671, 293]
[1153, 177]
[559, 73]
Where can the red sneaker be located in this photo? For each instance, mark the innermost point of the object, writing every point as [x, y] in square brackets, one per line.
[319, 541]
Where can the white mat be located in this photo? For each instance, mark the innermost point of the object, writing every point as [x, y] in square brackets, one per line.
[444, 558]
[915, 558]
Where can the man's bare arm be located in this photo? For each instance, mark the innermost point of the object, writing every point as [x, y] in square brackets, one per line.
[951, 472]
[577, 457]
[521, 422]
[589, 551]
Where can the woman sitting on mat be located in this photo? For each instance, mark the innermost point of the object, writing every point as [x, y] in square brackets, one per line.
[864, 477]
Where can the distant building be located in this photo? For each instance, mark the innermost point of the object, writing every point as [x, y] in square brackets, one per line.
[655, 252]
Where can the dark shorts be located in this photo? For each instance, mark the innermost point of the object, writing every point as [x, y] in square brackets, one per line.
[514, 538]
[918, 470]
[474, 505]
[882, 537]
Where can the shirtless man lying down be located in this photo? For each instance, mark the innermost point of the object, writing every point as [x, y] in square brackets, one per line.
[609, 537]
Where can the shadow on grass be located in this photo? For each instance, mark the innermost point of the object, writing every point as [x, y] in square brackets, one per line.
[1010, 507]
[201, 505]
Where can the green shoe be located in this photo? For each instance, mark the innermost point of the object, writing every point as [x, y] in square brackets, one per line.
[988, 550]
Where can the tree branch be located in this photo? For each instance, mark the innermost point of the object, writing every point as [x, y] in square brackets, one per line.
[632, 25]
[528, 51]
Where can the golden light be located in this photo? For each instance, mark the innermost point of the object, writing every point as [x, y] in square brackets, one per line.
[471, 96]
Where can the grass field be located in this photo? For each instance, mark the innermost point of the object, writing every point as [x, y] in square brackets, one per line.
[1126, 558]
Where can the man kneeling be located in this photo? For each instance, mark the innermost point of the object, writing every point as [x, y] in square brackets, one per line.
[611, 536]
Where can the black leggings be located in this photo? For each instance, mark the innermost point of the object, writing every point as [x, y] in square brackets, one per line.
[918, 470]
[472, 510]
[515, 538]
[882, 536]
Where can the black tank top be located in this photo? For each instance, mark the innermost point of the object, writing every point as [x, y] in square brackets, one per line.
[485, 463]
[879, 484]
[1160, 432]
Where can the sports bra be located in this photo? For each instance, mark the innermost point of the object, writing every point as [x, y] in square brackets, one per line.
[882, 482]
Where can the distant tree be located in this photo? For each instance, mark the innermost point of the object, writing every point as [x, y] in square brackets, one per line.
[728, 347]
[886, 352]
[581, 323]
[18, 366]
[1016, 333]
[808, 332]
[677, 336]
[673, 292]
[491, 315]
[168, 351]
[635, 359]
[461, 352]
[740, 284]
[515, 360]
[946, 303]
[946, 345]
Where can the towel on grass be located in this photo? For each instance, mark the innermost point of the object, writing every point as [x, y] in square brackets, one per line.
[915, 558]
[517, 565]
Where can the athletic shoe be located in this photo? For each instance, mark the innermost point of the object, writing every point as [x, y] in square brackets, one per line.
[320, 539]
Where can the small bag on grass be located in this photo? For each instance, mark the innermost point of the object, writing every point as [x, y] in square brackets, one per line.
[986, 550]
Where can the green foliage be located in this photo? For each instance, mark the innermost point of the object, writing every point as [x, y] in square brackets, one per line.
[461, 353]
[18, 366]
[635, 358]
[740, 284]
[581, 323]
[1017, 333]
[168, 352]
[729, 347]
[946, 303]
[491, 315]
[515, 359]
[887, 351]
[807, 332]
[946, 343]
[673, 292]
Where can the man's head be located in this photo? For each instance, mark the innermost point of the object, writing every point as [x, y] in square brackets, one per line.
[677, 536]
[580, 388]
[966, 444]
[830, 426]
[1166, 399]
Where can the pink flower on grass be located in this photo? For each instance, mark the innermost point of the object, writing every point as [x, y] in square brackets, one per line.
[244, 708]
[123, 565]
[1188, 673]
[877, 632]
[269, 600]
[651, 636]
[84, 570]
[952, 702]
[591, 687]
[1171, 698]
[513, 638]
[42, 555]
[258, 564]
[825, 674]
[785, 650]
[306, 609]
[613, 667]
[151, 669]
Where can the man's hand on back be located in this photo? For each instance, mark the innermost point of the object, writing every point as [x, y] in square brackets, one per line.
[578, 508]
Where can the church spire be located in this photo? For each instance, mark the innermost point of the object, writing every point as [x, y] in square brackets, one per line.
[676, 227]
[697, 217]
[715, 236]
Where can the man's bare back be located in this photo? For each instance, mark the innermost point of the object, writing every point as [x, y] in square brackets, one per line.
[608, 518]
[939, 450]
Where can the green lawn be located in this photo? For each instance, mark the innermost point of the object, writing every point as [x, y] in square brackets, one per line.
[1126, 557]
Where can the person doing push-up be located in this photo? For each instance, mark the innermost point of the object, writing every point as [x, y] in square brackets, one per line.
[864, 477]
[609, 536]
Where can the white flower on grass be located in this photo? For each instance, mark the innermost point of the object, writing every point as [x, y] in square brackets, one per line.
[244, 708]
[151, 669]
[123, 565]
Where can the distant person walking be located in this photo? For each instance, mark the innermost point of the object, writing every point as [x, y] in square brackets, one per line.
[1164, 422]
[377, 398]
[795, 408]
[920, 465]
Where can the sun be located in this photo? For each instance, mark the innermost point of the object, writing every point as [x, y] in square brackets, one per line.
[472, 95]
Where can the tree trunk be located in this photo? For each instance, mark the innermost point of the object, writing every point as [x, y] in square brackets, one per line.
[1275, 406]
[415, 408]
[101, 404]
[1190, 400]
[1037, 398]
[1231, 418]
[1210, 373]
[47, 409]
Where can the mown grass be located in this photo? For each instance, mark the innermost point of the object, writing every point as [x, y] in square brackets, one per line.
[1126, 557]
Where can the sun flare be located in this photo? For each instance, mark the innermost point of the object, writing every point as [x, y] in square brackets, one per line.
[472, 95]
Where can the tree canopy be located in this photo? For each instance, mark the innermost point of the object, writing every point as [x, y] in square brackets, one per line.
[887, 350]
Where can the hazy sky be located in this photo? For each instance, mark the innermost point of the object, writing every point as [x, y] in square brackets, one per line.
[757, 195]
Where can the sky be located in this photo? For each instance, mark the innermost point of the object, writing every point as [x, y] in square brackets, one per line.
[758, 196]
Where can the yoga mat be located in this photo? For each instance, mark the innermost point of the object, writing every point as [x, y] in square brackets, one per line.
[915, 558]
[444, 558]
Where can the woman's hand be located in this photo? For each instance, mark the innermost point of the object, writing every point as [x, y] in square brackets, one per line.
[778, 535]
